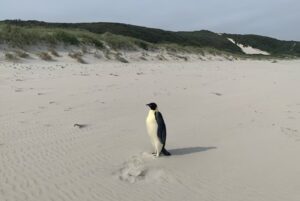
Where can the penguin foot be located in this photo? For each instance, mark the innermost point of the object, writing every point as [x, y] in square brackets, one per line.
[165, 152]
[155, 155]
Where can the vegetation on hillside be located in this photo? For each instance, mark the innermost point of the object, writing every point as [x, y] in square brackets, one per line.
[129, 37]
[20, 36]
[115, 34]
[271, 45]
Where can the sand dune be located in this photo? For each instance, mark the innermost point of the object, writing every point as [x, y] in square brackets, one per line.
[249, 49]
[233, 130]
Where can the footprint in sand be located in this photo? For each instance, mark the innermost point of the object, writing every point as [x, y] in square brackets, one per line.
[48, 125]
[18, 90]
[290, 132]
[136, 169]
[132, 171]
[68, 109]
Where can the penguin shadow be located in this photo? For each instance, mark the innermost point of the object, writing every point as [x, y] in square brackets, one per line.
[189, 150]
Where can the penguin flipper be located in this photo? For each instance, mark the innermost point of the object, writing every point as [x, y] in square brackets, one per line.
[161, 129]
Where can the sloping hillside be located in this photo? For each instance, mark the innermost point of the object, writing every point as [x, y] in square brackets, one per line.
[271, 45]
[124, 36]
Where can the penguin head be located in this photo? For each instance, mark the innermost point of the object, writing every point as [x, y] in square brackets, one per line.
[152, 106]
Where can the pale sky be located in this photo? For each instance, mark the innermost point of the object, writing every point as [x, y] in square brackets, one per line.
[275, 18]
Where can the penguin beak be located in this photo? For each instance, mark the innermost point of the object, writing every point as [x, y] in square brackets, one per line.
[147, 105]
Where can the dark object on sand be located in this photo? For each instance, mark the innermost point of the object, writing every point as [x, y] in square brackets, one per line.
[218, 94]
[80, 125]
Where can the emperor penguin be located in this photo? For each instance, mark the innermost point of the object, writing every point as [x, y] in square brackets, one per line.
[156, 130]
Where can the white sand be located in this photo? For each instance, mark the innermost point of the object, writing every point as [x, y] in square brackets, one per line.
[249, 49]
[233, 130]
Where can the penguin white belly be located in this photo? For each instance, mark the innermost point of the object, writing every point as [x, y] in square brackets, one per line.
[152, 131]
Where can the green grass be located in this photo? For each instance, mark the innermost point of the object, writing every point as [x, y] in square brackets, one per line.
[115, 36]
[66, 37]
[23, 36]
[19, 36]
[275, 47]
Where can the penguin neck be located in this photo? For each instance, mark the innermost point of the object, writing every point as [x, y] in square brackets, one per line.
[153, 111]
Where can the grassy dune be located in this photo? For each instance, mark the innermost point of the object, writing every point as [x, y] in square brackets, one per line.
[103, 36]
[22, 36]
[18, 36]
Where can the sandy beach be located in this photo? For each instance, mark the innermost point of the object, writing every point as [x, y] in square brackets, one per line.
[233, 131]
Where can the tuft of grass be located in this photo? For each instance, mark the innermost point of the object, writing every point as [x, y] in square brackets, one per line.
[178, 56]
[143, 58]
[161, 57]
[121, 59]
[144, 45]
[10, 56]
[54, 52]
[45, 56]
[84, 49]
[107, 54]
[183, 57]
[22, 54]
[81, 60]
[77, 56]
[202, 53]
